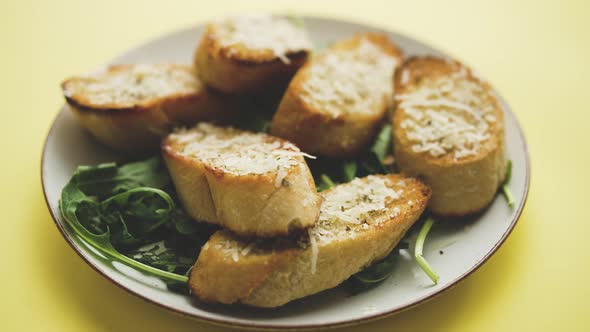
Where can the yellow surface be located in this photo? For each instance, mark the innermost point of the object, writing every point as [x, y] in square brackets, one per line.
[535, 53]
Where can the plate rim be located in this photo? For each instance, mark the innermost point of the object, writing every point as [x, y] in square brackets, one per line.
[269, 327]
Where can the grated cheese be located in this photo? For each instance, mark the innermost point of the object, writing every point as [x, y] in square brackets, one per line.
[229, 248]
[136, 84]
[350, 81]
[238, 152]
[262, 32]
[405, 76]
[246, 250]
[354, 206]
[446, 115]
[234, 248]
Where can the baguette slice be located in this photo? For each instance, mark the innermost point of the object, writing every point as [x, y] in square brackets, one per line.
[250, 54]
[334, 105]
[448, 129]
[130, 107]
[360, 222]
[253, 184]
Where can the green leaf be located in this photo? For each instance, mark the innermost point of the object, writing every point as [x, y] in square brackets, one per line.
[75, 203]
[163, 257]
[257, 122]
[505, 189]
[508, 172]
[382, 145]
[372, 163]
[185, 226]
[135, 213]
[325, 183]
[107, 179]
[349, 170]
[508, 195]
[142, 202]
[120, 235]
[419, 247]
[379, 271]
[148, 173]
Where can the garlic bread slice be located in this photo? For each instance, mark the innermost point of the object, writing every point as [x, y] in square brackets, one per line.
[251, 54]
[360, 222]
[251, 183]
[448, 129]
[130, 107]
[335, 104]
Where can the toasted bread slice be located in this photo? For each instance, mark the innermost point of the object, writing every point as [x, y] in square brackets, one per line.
[335, 103]
[250, 54]
[251, 183]
[130, 107]
[360, 222]
[448, 129]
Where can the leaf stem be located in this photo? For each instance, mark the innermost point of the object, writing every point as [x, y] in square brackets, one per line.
[418, 251]
[151, 270]
[508, 195]
[326, 179]
[505, 190]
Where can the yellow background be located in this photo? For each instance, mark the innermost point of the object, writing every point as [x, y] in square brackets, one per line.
[537, 54]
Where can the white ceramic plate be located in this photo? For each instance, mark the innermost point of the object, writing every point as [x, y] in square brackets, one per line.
[466, 246]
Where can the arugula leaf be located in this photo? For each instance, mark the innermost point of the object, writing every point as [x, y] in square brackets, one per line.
[72, 197]
[163, 257]
[134, 214]
[256, 123]
[325, 183]
[120, 235]
[376, 273]
[418, 250]
[379, 271]
[142, 202]
[128, 212]
[382, 145]
[185, 226]
[505, 190]
[105, 179]
[508, 172]
[346, 170]
[349, 170]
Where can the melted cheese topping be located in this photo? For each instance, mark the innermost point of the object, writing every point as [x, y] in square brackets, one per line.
[448, 115]
[350, 81]
[236, 151]
[136, 84]
[262, 32]
[230, 248]
[353, 206]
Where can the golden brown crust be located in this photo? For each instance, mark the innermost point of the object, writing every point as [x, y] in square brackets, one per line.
[215, 282]
[273, 277]
[317, 132]
[247, 204]
[239, 70]
[461, 186]
[138, 126]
